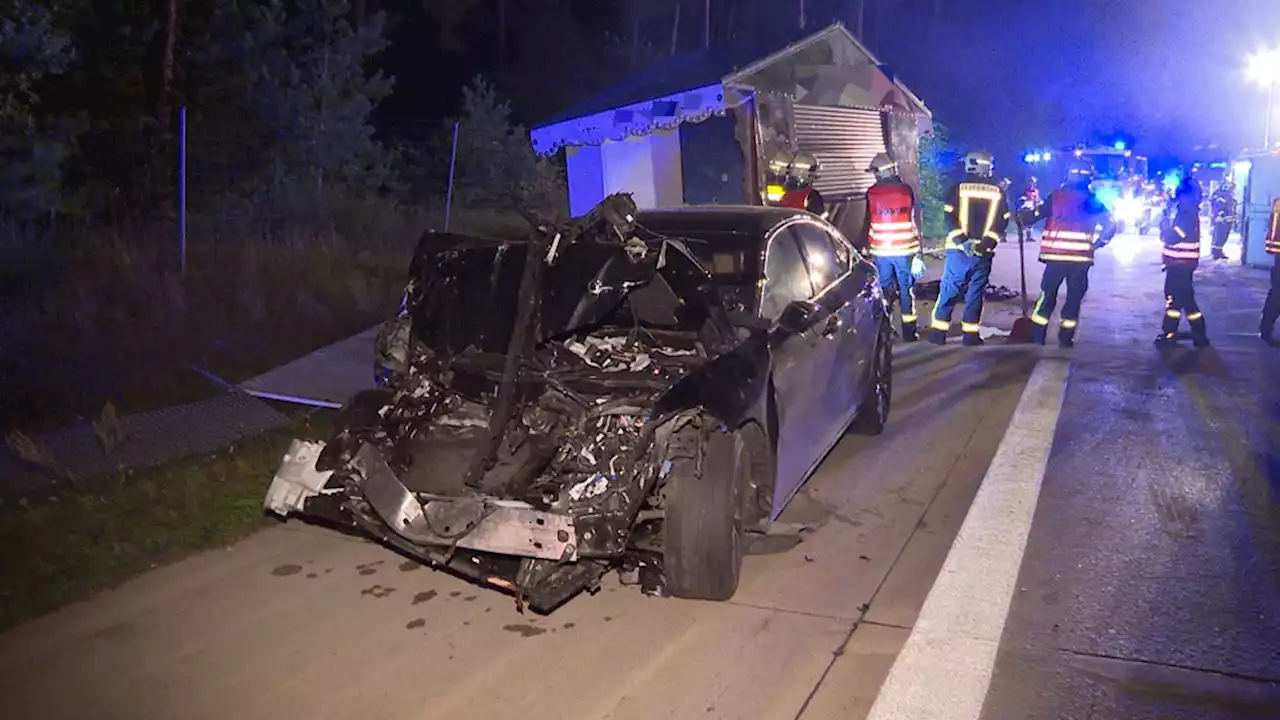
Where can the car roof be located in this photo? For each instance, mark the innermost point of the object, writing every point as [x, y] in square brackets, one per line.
[746, 219]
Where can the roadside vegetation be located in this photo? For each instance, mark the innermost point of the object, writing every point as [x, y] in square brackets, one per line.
[301, 215]
[54, 553]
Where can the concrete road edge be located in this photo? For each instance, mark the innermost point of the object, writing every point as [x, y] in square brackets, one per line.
[945, 667]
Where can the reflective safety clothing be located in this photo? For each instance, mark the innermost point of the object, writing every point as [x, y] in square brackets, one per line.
[773, 194]
[1271, 309]
[1074, 219]
[1076, 277]
[1223, 215]
[895, 273]
[976, 209]
[805, 198]
[1180, 302]
[891, 231]
[961, 270]
[1182, 239]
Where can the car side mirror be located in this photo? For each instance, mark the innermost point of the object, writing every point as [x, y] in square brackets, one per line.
[796, 317]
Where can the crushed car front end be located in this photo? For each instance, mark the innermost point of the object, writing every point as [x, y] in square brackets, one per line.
[529, 393]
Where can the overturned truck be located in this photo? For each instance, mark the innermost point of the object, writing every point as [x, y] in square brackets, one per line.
[551, 408]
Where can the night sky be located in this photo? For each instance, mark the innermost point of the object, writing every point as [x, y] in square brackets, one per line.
[1004, 74]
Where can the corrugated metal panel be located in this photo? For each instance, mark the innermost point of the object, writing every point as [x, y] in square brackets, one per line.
[844, 140]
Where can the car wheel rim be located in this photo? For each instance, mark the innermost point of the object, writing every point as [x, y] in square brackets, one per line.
[884, 381]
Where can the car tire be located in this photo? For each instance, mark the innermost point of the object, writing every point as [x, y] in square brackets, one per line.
[874, 413]
[703, 530]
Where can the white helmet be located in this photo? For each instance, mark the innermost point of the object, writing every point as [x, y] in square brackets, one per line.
[883, 165]
[805, 164]
[979, 162]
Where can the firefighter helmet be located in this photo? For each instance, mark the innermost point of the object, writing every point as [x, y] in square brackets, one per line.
[805, 165]
[780, 163]
[1079, 170]
[979, 162]
[883, 166]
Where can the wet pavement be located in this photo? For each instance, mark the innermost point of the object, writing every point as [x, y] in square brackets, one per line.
[1150, 584]
[298, 621]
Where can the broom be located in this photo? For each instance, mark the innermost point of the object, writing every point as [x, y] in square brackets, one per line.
[1021, 331]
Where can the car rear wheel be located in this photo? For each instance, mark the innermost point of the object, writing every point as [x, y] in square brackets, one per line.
[702, 536]
[874, 413]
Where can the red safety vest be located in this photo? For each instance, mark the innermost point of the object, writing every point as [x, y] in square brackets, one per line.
[798, 199]
[1069, 230]
[891, 211]
[1273, 235]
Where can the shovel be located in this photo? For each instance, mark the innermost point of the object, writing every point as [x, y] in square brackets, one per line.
[1021, 331]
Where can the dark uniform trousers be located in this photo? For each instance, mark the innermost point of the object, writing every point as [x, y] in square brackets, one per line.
[1180, 301]
[1271, 308]
[1076, 277]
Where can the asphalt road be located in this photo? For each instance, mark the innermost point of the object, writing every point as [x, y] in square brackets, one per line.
[301, 622]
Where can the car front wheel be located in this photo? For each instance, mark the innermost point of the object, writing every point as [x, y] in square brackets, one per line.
[874, 413]
[702, 537]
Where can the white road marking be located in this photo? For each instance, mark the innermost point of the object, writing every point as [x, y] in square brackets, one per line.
[945, 667]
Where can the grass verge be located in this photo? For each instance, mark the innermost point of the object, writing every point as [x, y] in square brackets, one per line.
[67, 550]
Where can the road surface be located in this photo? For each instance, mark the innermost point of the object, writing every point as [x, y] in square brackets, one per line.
[1124, 539]
[302, 622]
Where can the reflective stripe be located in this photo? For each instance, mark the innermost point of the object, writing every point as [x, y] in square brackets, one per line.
[1181, 233]
[908, 225]
[948, 208]
[1067, 235]
[904, 251]
[1177, 314]
[909, 318]
[1068, 245]
[942, 325]
[970, 327]
[774, 193]
[1039, 320]
[1195, 316]
[1069, 324]
[892, 236]
[1056, 257]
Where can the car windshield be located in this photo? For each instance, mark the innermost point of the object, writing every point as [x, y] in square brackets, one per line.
[722, 253]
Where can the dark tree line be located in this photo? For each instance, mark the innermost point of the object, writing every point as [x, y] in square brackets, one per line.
[289, 98]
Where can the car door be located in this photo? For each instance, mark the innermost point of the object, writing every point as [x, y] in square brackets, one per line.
[798, 400]
[865, 309]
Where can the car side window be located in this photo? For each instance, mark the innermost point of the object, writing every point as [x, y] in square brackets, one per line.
[819, 254]
[786, 277]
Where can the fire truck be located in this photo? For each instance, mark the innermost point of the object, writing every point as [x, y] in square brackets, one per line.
[1120, 182]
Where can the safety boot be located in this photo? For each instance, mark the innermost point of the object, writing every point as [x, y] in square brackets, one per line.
[973, 340]
[1038, 333]
[909, 333]
[1066, 337]
[938, 337]
[1199, 336]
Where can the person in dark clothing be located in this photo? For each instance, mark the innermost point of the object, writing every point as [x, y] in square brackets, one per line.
[1223, 213]
[978, 214]
[1076, 225]
[1181, 258]
[1271, 309]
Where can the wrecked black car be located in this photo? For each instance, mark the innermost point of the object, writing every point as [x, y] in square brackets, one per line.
[641, 391]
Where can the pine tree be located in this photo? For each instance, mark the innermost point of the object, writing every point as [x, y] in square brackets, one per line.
[33, 145]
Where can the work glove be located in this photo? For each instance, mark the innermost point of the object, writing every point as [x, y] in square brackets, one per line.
[972, 248]
[918, 267]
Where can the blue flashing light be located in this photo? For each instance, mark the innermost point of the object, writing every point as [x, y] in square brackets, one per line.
[1032, 158]
[1120, 145]
[1048, 156]
[1217, 165]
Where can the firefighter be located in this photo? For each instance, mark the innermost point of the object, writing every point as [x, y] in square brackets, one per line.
[1223, 211]
[1271, 309]
[1032, 192]
[800, 193]
[779, 169]
[1005, 183]
[977, 213]
[1076, 225]
[1181, 258]
[893, 238]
